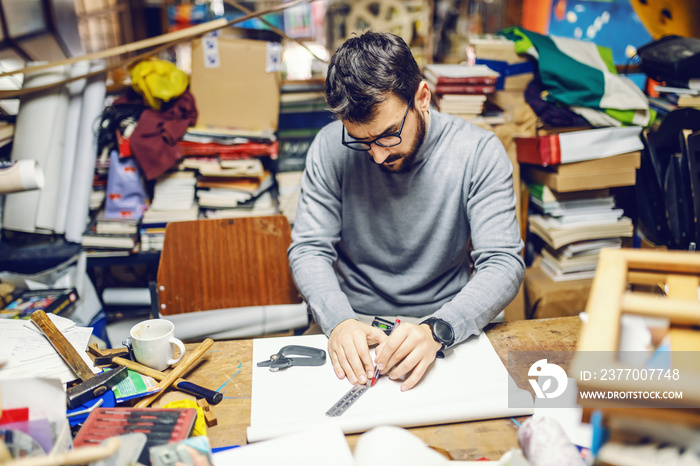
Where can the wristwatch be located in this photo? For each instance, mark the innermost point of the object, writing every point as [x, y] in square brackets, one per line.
[442, 333]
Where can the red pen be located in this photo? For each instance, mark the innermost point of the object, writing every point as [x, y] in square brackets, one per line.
[376, 371]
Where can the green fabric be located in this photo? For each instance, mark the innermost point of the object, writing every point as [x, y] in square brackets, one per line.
[569, 81]
[576, 84]
[607, 56]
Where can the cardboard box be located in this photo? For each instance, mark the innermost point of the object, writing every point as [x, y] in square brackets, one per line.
[565, 183]
[516, 309]
[232, 85]
[545, 298]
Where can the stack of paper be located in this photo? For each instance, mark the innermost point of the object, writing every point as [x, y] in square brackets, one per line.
[30, 354]
[586, 219]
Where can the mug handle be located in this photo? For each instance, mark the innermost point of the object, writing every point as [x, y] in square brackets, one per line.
[179, 344]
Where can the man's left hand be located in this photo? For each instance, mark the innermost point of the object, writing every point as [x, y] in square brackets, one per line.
[409, 348]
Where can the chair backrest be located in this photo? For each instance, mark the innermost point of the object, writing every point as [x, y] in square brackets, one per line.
[225, 263]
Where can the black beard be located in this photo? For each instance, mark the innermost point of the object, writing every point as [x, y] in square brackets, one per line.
[410, 157]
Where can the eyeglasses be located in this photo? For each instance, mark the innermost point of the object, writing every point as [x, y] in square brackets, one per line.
[388, 140]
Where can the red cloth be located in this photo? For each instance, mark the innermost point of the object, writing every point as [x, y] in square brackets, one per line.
[154, 141]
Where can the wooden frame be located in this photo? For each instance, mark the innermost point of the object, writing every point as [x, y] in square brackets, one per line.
[678, 272]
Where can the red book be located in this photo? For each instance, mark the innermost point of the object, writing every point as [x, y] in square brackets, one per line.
[577, 146]
[442, 89]
[460, 74]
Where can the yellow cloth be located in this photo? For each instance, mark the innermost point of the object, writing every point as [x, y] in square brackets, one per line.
[158, 81]
[200, 426]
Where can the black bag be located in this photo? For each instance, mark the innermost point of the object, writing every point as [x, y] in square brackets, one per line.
[668, 181]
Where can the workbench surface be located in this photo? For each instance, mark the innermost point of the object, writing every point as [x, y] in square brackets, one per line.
[227, 366]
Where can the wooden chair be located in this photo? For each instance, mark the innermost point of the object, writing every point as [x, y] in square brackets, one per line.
[225, 263]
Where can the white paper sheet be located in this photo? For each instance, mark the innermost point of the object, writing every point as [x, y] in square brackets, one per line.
[86, 154]
[320, 447]
[32, 141]
[471, 383]
[54, 142]
[239, 322]
[31, 355]
[72, 129]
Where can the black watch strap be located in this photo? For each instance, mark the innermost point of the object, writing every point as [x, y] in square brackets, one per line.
[443, 333]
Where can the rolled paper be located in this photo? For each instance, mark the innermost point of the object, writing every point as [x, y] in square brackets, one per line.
[20, 175]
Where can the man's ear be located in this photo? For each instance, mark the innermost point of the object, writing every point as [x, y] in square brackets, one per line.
[423, 97]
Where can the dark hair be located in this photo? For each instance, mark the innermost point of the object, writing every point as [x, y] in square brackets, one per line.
[365, 71]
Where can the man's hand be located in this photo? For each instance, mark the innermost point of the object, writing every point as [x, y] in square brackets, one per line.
[348, 347]
[409, 348]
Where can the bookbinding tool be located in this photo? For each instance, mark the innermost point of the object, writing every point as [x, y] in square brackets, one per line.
[211, 396]
[308, 357]
[347, 400]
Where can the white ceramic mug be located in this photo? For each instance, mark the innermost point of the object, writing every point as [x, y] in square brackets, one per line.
[153, 343]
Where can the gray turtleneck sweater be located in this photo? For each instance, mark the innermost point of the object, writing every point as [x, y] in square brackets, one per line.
[441, 239]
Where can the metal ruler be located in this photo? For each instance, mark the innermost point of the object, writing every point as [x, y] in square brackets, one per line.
[347, 400]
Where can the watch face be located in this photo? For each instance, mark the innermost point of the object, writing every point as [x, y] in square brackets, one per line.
[443, 331]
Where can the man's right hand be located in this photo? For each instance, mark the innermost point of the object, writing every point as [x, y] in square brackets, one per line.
[348, 347]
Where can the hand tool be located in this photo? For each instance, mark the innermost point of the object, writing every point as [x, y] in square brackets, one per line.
[376, 371]
[280, 361]
[86, 410]
[181, 384]
[105, 360]
[166, 425]
[180, 369]
[92, 385]
[348, 399]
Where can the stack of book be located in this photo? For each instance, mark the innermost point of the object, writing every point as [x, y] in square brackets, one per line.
[574, 228]
[7, 132]
[684, 94]
[460, 90]
[173, 201]
[235, 189]
[110, 236]
[574, 213]
[99, 182]
[303, 112]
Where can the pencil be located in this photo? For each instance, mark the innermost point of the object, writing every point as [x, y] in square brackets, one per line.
[376, 371]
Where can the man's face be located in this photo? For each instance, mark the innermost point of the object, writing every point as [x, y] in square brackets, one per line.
[396, 159]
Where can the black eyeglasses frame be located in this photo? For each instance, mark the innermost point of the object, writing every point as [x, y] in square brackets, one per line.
[375, 141]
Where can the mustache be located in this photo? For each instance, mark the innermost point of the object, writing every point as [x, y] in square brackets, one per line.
[388, 160]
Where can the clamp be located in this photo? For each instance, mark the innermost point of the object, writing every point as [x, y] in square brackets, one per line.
[310, 357]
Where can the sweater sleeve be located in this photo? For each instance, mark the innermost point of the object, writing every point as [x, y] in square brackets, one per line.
[496, 244]
[316, 232]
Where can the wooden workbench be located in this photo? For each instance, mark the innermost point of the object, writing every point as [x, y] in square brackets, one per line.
[228, 367]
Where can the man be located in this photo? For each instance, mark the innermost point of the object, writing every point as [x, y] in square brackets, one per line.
[396, 198]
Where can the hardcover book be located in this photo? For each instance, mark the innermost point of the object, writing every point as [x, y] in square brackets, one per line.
[438, 73]
[619, 170]
[52, 301]
[577, 146]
